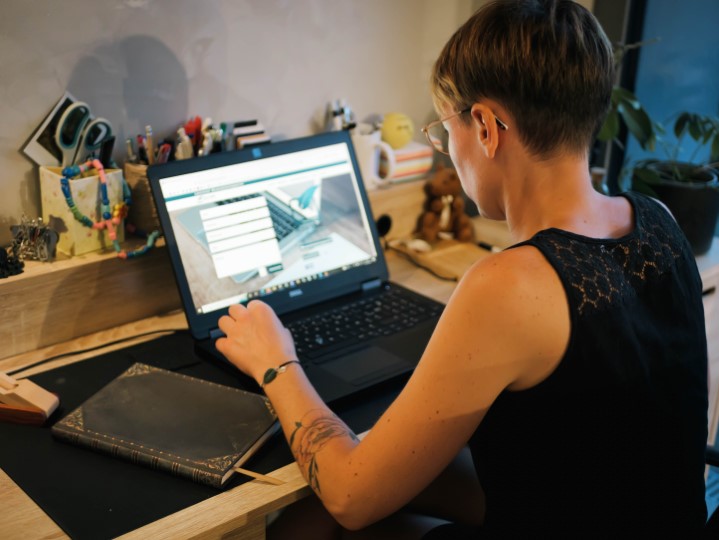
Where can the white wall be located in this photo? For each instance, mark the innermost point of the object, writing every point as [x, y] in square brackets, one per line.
[158, 62]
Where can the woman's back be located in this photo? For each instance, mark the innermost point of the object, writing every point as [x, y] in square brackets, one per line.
[613, 439]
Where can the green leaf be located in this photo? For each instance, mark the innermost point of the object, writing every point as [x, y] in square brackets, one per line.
[645, 176]
[711, 128]
[715, 148]
[651, 143]
[681, 125]
[638, 123]
[642, 179]
[610, 127]
[695, 128]
[622, 95]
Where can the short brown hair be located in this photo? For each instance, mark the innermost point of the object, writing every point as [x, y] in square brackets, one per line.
[548, 62]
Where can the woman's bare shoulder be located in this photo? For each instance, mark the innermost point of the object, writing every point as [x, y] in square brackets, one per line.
[511, 271]
[520, 307]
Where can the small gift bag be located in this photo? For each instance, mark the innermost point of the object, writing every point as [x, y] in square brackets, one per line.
[86, 194]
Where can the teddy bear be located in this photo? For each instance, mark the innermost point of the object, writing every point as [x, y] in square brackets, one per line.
[443, 215]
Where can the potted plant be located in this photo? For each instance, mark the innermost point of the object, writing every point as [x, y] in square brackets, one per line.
[625, 108]
[690, 189]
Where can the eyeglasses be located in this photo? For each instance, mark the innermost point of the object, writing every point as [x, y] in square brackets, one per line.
[437, 134]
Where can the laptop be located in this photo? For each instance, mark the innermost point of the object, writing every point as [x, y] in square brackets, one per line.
[290, 223]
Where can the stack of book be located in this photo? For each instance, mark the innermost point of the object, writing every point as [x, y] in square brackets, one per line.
[411, 162]
[249, 133]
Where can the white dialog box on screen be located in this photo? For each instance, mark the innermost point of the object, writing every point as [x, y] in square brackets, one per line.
[241, 237]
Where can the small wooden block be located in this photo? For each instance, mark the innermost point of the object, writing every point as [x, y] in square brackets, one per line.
[23, 400]
[22, 415]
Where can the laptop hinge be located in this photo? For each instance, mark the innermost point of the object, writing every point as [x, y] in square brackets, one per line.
[216, 333]
[371, 284]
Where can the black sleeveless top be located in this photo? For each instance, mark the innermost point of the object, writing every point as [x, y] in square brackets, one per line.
[613, 440]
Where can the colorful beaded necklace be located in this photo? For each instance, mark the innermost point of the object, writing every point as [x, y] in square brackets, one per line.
[110, 219]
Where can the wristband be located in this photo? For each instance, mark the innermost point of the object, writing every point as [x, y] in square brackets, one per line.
[271, 373]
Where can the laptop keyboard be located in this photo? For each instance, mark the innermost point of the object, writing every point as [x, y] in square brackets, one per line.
[379, 315]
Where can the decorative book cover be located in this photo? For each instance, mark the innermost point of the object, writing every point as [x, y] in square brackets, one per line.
[168, 421]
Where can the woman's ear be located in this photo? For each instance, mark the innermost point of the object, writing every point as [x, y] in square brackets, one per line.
[487, 129]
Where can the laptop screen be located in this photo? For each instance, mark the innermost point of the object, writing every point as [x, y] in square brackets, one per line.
[285, 222]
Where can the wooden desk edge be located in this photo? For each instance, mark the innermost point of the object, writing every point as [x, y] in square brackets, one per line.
[230, 511]
[20, 515]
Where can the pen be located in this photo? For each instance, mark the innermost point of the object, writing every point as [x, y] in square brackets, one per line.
[150, 147]
[131, 157]
[489, 247]
[263, 477]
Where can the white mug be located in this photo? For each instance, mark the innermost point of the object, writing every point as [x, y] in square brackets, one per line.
[368, 146]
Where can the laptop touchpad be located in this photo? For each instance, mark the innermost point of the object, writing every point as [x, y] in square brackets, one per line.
[366, 365]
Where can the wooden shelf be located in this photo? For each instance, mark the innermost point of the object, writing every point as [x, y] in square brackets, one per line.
[70, 297]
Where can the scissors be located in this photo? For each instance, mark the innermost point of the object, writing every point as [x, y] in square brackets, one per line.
[78, 136]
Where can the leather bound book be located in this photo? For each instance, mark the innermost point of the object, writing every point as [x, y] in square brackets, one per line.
[168, 421]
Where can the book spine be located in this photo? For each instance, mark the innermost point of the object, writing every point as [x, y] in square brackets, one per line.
[409, 169]
[249, 140]
[138, 455]
[399, 156]
[248, 129]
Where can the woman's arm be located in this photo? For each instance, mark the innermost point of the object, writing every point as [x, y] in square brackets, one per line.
[495, 331]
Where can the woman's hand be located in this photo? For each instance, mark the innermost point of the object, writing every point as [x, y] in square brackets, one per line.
[255, 339]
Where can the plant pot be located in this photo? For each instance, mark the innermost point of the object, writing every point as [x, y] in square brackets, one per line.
[694, 202]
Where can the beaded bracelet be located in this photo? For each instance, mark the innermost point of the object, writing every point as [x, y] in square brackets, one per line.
[272, 373]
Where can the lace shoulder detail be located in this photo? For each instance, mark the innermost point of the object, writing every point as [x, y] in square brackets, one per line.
[598, 273]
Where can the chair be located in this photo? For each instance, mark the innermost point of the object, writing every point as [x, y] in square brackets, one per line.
[712, 527]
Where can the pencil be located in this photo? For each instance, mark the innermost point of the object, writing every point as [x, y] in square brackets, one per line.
[258, 476]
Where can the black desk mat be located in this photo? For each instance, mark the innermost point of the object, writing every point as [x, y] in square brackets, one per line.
[92, 495]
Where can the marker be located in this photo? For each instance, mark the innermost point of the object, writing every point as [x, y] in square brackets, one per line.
[163, 154]
[141, 150]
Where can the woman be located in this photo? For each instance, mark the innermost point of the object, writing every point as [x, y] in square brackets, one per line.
[574, 363]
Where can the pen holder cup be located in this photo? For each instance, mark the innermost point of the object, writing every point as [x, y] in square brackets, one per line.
[143, 213]
[76, 238]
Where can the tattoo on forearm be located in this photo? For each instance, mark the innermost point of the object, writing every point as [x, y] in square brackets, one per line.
[310, 436]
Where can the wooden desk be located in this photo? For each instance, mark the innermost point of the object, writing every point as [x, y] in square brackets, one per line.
[239, 513]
